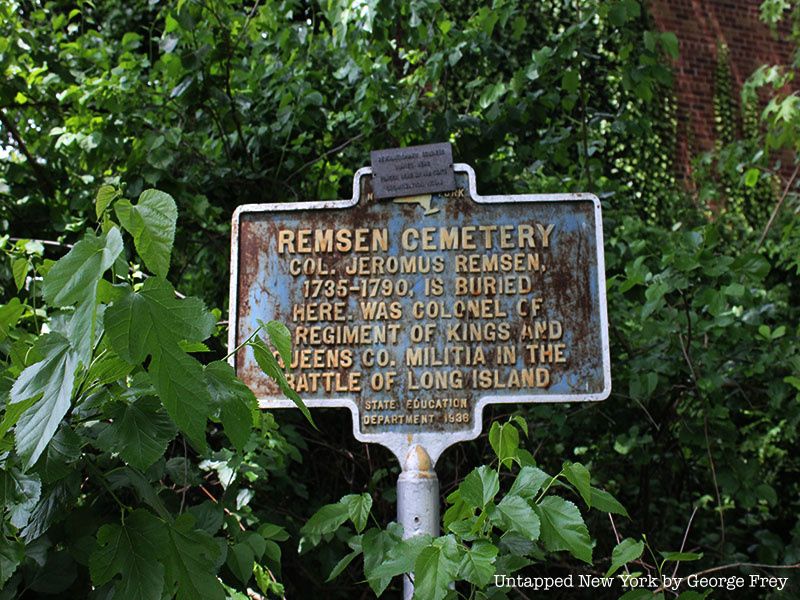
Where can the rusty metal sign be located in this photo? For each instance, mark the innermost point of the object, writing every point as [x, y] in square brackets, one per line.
[412, 170]
[416, 312]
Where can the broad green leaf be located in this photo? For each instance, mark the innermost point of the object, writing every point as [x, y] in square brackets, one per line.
[602, 500]
[11, 554]
[681, 556]
[669, 41]
[281, 338]
[563, 528]
[436, 568]
[82, 328]
[139, 431]
[126, 477]
[151, 222]
[273, 532]
[504, 440]
[105, 196]
[515, 514]
[191, 561]
[9, 315]
[269, 364]
[528, 482]
[623, 553]
[152, 322]
[342, 565]
[13, 412]
[19, 269]
[751, 177]
[355, 544]
[240, 561]
[579, 476]
[570, 81]
[399, 554]
[134, 552]
[237, 403]
[62, 451]
[51, 506]
[74, 277]
[387, 555]
[256, 542]
[326, 520]
[358, 507]
[51, 380]
[477, 565]
[141, 322]
[19, 494]
[480, 486]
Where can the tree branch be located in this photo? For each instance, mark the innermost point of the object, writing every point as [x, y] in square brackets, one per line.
[42, 176]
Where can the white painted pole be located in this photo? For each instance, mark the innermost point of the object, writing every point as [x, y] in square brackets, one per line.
[417, 501]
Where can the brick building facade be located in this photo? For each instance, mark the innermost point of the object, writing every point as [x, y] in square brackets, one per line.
[701, 25]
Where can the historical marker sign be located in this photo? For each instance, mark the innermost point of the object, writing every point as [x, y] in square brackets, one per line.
[417, 312]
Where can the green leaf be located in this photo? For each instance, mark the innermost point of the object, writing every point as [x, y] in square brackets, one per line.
[152, 322]
[528, 482]
[191, 561]
[492, 94]
[237, 403]
[563, 528]
[105, 196]
[151, 222]
[358, 507]
[139, 431]
[133, 551]
[74, 277]
[480, 487]
[9, 315]
[570, 81]
[603, 501]
[681, 556]
[436, 568]
[623, 553]
[386, 555]
[19, 494]
[11, 554]
[515, 514]
[751, 177]
[240, 561]
[355, 544]
[326, 520]
[397, 556]
[52, 381]
[19, 269]
[669, 41]
[477, 565]
[579, 476]
[62, 451]
[342, 565]
[281, 338]
[504, 440]
[268, 363]
[271, 531]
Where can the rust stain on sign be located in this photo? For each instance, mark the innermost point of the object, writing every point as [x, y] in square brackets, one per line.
[416, 312]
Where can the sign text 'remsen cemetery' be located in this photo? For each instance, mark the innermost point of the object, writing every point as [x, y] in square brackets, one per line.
[416, 311]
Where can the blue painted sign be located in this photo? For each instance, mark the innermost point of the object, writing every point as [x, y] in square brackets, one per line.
[416, 312]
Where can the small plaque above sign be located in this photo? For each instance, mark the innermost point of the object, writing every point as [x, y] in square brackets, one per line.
[411, 171]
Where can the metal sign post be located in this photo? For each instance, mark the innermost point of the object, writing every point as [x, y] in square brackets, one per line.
[415, 312]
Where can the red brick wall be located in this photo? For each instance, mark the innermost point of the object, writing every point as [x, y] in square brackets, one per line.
[699, 25]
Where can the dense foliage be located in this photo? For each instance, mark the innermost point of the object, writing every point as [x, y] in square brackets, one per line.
[134, 464]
